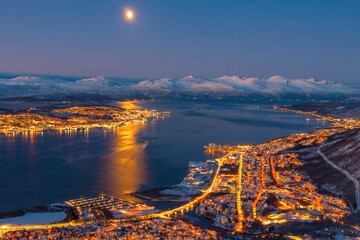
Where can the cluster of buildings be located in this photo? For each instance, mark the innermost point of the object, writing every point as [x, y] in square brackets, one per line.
[106, 207]
[220, 209]
[268, 189]
[69, 119]
[146, 229]
[218, 150]
[197, 179]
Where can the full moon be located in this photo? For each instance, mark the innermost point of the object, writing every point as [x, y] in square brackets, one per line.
[129, 15]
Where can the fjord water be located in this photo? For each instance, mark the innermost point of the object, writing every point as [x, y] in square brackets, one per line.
[52, 167]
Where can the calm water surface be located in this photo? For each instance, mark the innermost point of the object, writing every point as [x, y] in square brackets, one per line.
[52, 167]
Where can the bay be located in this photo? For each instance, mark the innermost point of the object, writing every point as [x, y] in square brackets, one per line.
[51, 167]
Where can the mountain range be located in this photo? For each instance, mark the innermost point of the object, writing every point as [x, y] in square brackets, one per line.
[231, 87]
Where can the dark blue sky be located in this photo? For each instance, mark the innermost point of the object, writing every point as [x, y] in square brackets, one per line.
[175, 38]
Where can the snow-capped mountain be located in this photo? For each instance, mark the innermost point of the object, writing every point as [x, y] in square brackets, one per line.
[42, 87]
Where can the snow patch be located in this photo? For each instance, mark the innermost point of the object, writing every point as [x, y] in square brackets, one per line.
[34, 218]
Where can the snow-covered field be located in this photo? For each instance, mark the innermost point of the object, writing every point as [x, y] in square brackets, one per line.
[34, 218]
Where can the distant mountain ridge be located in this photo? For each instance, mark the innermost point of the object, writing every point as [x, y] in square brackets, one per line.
[231, 87]
[339, 108]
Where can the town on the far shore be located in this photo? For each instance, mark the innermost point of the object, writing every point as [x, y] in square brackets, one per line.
[75, 118]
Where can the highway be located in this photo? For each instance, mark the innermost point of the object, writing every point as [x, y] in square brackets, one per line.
[239, 207]
[273, 172]
[262, 186]
[4, 229]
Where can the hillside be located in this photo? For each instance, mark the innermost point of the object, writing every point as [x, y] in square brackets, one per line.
[341, 108]
[334, 165]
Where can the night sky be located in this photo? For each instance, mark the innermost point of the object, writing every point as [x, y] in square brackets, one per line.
[176, 38]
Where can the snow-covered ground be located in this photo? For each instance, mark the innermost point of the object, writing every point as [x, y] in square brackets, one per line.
[348, 175]
[34, 218]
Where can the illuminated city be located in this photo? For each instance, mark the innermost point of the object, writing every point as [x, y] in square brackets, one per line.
[180, 120]
[256, 190]
[35, 120]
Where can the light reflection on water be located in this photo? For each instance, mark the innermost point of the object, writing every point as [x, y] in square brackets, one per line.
[44, 167]
[125, 168]
[129, 104]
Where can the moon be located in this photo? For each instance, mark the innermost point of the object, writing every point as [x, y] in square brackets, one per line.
[129, 14]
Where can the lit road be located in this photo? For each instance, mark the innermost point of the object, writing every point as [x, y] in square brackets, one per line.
[239, 227]
[5, 228]
[239, 205]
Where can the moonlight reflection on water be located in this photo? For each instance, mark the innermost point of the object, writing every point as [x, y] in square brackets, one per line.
[125, 167]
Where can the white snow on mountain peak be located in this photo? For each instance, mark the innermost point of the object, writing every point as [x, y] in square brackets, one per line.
[225, 86]
[277, 79]
[25, 78]
[95, 81]
[189, 78]
[211, 87]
